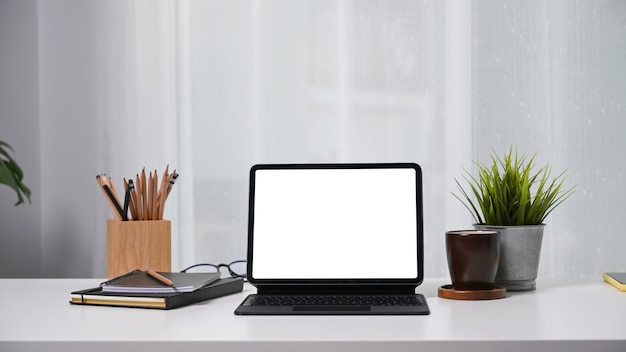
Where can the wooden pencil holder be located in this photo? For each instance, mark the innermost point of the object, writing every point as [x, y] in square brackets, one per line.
[138, 244]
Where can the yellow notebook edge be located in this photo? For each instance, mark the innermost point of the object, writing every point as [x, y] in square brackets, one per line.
[118, 301]
[608, 278]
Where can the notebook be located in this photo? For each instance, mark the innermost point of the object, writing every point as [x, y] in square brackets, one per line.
[96, 297]
[322, 234]
[138, 281]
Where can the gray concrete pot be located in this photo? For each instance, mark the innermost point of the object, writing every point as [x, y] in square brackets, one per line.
[520, 248]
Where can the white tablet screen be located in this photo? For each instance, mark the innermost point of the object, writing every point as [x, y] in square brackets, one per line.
[335, 223]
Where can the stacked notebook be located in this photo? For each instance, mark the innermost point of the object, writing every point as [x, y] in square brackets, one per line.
[138, 289]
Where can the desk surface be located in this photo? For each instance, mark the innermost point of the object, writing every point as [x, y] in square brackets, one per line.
[577, 315]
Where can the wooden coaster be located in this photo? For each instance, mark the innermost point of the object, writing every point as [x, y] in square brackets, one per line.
[447, 291]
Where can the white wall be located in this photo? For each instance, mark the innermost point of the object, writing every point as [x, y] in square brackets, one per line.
[69, 105]
[20, 229]
[80, 96]
[48, 113]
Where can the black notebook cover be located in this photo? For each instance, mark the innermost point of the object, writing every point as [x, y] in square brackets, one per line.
[95, 296]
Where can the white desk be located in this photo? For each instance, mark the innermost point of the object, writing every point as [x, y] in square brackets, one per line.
[560, 316]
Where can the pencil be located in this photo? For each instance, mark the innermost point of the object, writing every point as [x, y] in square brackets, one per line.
[143, 199]
[118, 212]
[161, 195]
[150, 198]
[108, 197]
[144, 193]
[139, 198]
[172, 181]
[118, 203]
[155, 188]
[160, 278]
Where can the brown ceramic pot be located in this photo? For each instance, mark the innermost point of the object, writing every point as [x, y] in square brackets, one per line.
[473, 257]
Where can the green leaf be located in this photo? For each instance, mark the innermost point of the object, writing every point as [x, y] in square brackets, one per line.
[11, 174]
[508, 191]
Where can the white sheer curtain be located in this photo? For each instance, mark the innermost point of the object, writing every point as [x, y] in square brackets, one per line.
[437, 83]
[212, 87]
[549, 77]
[312, 81]
[138, 115]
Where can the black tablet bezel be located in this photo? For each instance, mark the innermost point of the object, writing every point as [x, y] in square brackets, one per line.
[305, 284]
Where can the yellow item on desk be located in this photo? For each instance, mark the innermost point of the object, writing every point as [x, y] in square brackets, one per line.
[616, 279]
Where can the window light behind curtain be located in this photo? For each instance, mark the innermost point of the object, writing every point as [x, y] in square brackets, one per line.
[310, 81]
[549, 77]
[439, 83]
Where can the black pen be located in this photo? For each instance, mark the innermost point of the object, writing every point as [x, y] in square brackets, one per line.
[127, 200]
[132, 200]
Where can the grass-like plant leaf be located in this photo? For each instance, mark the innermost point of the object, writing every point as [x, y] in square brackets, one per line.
[508, 192]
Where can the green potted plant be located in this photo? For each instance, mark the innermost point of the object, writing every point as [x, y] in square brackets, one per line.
[513, 197]
[11, 174]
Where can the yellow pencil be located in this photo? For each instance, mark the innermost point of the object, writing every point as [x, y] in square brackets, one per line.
[160, 277]
[137, 198]
[161, 194]
[144, 194]
[153, 197]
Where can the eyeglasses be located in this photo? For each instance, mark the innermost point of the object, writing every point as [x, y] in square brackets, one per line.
[235, 269]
